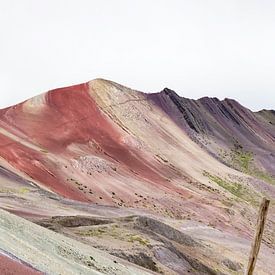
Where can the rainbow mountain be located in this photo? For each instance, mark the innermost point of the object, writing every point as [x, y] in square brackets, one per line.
[125, 182]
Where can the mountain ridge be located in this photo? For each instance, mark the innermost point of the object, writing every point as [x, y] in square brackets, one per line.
[200, 164]
[121, 85]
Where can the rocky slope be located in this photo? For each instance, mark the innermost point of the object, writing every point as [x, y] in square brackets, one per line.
[226, 129]
[196, 168]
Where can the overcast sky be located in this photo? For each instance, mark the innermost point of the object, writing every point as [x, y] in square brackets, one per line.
[222, 48]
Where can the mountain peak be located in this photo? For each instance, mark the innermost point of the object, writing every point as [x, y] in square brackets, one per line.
[144, 162]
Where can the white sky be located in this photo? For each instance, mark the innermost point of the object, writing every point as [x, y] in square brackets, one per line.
[222, 48]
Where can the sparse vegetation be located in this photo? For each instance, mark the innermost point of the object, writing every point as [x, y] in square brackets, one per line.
[24, 190]
[243, 161]
[96, 232]
[263, 176]
[114, 232]
[238, 190]
[139, 239]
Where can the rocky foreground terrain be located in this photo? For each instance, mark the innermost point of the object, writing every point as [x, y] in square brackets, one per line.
[99, 178]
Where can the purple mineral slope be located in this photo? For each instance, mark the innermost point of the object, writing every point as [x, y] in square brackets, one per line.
[234, 134]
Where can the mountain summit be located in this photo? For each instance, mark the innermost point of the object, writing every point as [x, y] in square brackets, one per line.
[179, 166]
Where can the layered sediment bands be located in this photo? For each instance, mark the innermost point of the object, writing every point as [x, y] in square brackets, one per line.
[59, 137]
[99, 141]
[223, 127]
[102, 149]
[67, 125]
[269, 117]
